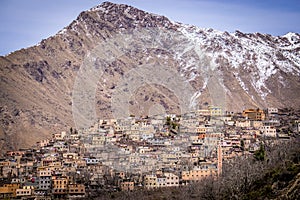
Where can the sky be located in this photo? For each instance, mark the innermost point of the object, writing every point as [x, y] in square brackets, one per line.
[24, 23]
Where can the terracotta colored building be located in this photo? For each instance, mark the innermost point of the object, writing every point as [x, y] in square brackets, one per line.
[254, 114]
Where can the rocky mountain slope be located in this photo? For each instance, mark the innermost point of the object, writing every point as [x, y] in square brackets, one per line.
[84, 72]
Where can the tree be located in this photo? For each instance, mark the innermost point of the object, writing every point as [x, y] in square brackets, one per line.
[168, 122]
[174, 125]
[242, 144]
[260, 154]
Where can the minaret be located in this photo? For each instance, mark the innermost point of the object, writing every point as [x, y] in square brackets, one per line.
[219, 159]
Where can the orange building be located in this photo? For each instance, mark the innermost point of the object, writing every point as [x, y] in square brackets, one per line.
[77, 190]
[204, 170]
[127, 186]
[150, 181]
[220, 160]
[9, 190]
[60, 186]
[198, 174]
[254, 114]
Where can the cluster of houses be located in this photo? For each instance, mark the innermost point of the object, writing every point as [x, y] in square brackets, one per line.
[138, 152]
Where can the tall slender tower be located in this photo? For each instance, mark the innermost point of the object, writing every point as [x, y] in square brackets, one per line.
[220, 157]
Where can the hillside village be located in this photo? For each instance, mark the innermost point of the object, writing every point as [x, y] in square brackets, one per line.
[140, 152]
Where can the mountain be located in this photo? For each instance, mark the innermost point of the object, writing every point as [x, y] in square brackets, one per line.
[115, 60]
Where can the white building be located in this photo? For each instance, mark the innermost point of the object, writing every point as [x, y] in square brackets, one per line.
[268, 131]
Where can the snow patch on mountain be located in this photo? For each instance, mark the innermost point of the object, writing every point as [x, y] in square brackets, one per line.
[196, 95]
[253, 52]
[242, 84]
